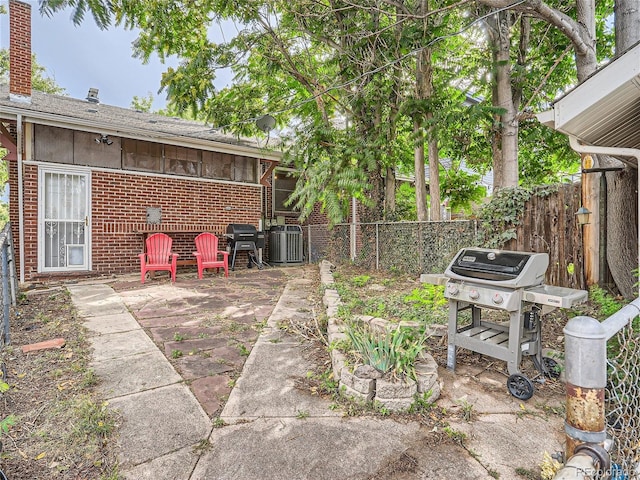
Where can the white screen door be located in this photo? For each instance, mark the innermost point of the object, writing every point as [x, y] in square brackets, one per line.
[64, 220]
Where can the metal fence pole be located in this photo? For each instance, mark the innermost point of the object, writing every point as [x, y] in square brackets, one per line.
[586, 377]
[5, 292]
[377, 246]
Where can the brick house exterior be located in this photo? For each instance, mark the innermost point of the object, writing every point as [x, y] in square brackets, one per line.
[88, 181]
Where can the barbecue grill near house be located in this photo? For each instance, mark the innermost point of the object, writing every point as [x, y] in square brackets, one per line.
[89, 181]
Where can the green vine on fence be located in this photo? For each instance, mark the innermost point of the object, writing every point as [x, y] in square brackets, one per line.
[501, 216]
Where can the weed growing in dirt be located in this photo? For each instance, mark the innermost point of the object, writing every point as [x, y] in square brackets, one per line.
[457, 436]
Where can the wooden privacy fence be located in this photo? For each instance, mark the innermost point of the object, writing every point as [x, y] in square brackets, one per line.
[548, 224]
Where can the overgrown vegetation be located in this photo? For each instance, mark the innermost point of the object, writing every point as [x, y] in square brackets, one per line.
[53, 424]
[394, 352]
[362, 295]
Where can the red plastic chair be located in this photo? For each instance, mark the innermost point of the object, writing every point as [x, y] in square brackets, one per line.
[158, 256]
[208, 255]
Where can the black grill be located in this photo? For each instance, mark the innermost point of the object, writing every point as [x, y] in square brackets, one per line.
[499, 267]
[244, 238]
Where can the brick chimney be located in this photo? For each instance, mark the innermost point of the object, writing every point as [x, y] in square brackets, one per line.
[19, 51]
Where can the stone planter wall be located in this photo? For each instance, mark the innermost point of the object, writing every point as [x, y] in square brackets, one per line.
[365, 382]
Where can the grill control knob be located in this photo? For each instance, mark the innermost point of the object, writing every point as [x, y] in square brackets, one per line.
[474, 294]
[497, 298]
[453, 289]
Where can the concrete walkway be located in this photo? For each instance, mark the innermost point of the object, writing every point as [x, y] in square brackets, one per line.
[274, 430]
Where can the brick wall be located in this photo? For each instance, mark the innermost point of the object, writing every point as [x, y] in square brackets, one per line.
[118, 215]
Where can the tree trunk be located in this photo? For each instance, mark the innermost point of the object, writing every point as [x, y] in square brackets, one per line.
[434, 181]
[622, 231]
[627, 24]
[418, 165]
[389, 192]
[507, 163]
[622, 200]
[424, 90]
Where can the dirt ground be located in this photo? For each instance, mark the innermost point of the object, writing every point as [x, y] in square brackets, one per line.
[61, 427]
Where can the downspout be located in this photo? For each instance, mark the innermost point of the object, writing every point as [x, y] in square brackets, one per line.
[20, 195]
[614, 152]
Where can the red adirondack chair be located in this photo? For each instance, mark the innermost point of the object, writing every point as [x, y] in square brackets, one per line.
[208, 255]
[158, 256]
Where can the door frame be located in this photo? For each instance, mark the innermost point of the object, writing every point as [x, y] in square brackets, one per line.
[63, 170]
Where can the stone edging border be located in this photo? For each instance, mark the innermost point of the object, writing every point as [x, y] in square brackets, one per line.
[365, 382]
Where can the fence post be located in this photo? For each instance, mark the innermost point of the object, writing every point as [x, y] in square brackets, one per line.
[377, 246]
[5, 291]
[586, 379]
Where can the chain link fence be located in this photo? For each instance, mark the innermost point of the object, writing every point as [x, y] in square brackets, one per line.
[622, 400]
[408, 247]
[9, 283]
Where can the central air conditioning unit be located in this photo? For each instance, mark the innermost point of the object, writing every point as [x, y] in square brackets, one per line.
[285, 244]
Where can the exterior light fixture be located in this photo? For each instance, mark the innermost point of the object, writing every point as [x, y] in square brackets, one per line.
[583, 216]
[104, 139]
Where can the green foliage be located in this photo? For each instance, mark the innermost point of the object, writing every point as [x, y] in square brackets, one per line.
[178, 337]
[142, 104]
[394, 351]
[6, 423]
[606, 303]
[344, 83]
[360, 280]
[503, 213]
[428, 296]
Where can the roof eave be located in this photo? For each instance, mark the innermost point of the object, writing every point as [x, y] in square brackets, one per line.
[72, 123]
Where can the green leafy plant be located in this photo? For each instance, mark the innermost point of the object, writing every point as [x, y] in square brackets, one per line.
[6, 423]
[607, 304]
[455, 435]
[427, 296]
[176, 353]
[360, 280]
[394, 351]
[178, 337]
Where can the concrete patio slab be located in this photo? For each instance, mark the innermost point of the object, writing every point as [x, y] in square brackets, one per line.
[312, 448]
[114, 323]
[173, 466]
[116, 345]
[96, 300]
[134, 373]
[267, 385]
[158, 422]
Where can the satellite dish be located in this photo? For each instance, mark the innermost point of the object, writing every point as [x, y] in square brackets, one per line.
[266, 123]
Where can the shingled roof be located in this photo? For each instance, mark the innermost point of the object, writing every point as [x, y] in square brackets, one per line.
[75, 114]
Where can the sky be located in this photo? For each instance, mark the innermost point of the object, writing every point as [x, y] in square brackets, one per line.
[78, 58]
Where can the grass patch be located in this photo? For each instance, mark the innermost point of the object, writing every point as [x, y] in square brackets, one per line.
[54, 423]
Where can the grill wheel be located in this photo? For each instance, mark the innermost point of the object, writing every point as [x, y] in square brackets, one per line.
[520, 386]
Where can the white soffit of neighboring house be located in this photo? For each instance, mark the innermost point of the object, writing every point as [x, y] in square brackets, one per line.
[604, 110]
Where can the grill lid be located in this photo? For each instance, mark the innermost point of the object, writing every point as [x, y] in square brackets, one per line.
[499, 267]
[240, 231]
